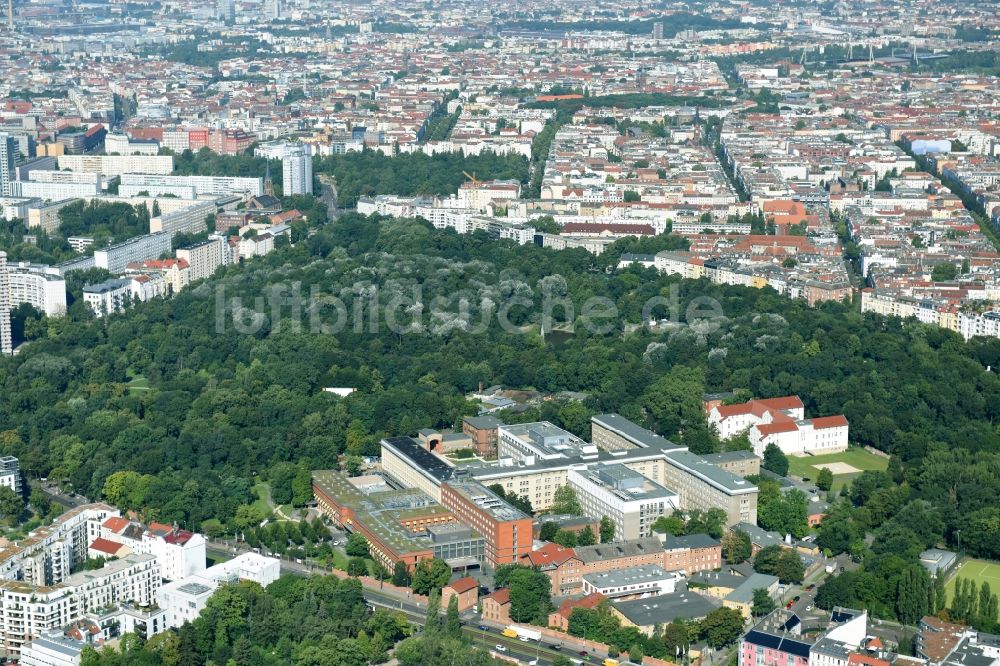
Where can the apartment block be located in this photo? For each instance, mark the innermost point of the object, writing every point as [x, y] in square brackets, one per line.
[107, 297]
[116, 258]
[6, 335]
[203, 185]
[117, 165]
[204, 258]
[40, 286]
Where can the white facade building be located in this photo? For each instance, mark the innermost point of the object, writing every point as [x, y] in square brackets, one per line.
[6, 336]
[109, 296]
[205, 258]
[42, 287]
[632, 582]
[296, 171]
[782, 422]
[203, 185]
[630, 500]
[184, 599]
[115, 258]
[116, 165]
[52, 649]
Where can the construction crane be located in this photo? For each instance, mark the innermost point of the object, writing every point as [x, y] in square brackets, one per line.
[472, 179]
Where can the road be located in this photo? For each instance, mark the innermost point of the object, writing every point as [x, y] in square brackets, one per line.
[416, 613]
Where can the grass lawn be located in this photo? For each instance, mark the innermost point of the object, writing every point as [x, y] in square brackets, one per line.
[262, 491]
[138, 383]
[979, 571]
[857, 457]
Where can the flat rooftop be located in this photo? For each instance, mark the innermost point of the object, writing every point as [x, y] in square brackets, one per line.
[725, 481]
[624, 483]
[647, 573]
[383, 512]
[666, 608]
[421, 457]
[548, 440]
[488, 501]
[633, 432]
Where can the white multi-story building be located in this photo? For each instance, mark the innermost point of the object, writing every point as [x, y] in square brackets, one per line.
[630, 500]
[116, 165]
[187, 220]
[296, 170]
[122, 144]
[8, 160]
[52, 649]
[109, 296]
[53, 191]
[203, 185]
[6, 336]
[176, 140]
[10, 474]
[184, 599]
[180, 553]
[147, 286]
[782, 422]
[204, 258]
[42, 287]
[115, 258]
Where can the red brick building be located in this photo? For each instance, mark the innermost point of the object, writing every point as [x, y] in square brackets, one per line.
[506, 531]
[496, 607]
[465, 589]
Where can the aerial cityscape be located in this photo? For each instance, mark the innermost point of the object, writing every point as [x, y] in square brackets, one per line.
[441, 332]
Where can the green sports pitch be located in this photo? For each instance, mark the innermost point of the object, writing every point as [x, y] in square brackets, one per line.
[855, 457]
[979, 571]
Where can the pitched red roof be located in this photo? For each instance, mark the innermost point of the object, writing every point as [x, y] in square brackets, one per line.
[501, 596]
[837, 421]
[551, 554]
[463, 585]
[103, 545]
[115, 524]
[589, 601]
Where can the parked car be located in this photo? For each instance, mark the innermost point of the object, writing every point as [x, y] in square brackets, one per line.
[500, 648]
[483, 627]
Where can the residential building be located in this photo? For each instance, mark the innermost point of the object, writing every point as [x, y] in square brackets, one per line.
[8, 160]
[133, 183]
[559, 618]
[496, 607]
[118, 165]
[52, 649]
[484, 432]
[778, 640]
[296, 168]
[27, 610]
[42, 287]
[630, 500]
[122, 144]
[116, 258]
[190, 219]
[204, 258]
[6, 335]
[465, 590]
[10, 474]
[109, 296]
[691, 553]
[560, 564]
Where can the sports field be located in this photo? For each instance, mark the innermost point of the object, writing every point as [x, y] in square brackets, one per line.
[845, 465]
[976, 570]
